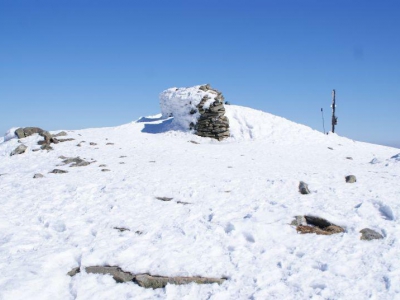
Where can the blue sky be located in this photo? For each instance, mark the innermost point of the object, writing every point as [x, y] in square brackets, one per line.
[70, 64]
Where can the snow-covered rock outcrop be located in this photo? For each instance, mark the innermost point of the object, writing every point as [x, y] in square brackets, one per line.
[199, 108]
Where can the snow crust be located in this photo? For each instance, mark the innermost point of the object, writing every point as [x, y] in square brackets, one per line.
[179, 102]
[242, 194]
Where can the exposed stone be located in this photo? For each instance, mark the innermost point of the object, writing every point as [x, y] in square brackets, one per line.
[349, 157]
[61, 133]
[102, 166]
[74, 271]
[28, 131]
[368, 234]
[122, 229]
[303, 188]
[75, 162]
[105, 170]
[92, 144]
[194, 142]
[66, 140]
[115, 272]
[351, 179]
[318, 225]
[164, 198]
[110, 144]
[58, 171]
[38, 175]
[19, 150]
[46, 147]
[156, 282]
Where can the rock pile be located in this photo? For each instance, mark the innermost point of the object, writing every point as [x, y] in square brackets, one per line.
[212, 122]
[199, 108]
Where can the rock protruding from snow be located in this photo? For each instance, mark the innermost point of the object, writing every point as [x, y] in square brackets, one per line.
[156, 282]
[199, 108]
[351, 179]
[19, 150]
[369, 234]
[303, 188]
[116, 272]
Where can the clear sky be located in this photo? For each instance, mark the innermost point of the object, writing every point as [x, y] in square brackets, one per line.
[68, 64]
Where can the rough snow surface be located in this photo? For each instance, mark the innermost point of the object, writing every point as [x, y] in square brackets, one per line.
[242, 193]
[10, 134]
[179, 102]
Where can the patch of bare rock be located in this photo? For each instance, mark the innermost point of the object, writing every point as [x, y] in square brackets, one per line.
[145, 280]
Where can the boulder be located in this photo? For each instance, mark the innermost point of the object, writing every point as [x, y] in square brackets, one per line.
[61, 133]
[19, 150]
[351, 179]
[316, 225]
[303, 188]
[75, 162]
[368, 234]
[28, 131]
[58, 171]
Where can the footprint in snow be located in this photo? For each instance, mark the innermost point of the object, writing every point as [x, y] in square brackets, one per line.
[385, 211]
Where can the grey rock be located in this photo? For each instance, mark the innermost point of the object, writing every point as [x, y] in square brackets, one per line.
[75, 162]
[156, 282]
[303, 188]
[122, 229]
[349, 157]
[117, 273]
[66, 140]
[38, 175]
[105, 170]
[110, 144]
[28, 131]
[19, 150]
[369, 234]
[164, 198]
[74, 271]
[102, 166]
[317, 221]
[46, 147]
[92, 144]
[58, 171]
[61, 133]
[351, 179]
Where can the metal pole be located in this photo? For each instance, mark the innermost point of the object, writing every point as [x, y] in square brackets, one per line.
[334, 118]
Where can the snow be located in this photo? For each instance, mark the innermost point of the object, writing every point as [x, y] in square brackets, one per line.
[10, 134]
[179, 102]
[242, 194]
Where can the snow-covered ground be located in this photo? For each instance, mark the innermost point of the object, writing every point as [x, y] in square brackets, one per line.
[242, 194]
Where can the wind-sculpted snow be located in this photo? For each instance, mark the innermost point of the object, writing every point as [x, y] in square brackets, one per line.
[229, 216]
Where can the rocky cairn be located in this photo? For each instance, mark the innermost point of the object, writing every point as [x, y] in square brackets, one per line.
[199, 108]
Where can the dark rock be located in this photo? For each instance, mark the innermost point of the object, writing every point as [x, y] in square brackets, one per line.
[122, 156]
[102, 166]
[369, 234]
[92, 144]
[58, 171]
[349, 157]
[74, 271]
[110, 144]
[164, 198]
[115, 272]
[303, 188]
[194, 142]
[156, 282]
[61, 133]
[46, 147]
[330, 148]
[66, 140]
[19, 150]
[105, 170]
[38, 175]
[182, 202]
[75, 162]
[121, 229]
[318, 225]
[351, 179]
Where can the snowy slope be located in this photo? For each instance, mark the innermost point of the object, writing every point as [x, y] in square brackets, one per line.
[242, 194]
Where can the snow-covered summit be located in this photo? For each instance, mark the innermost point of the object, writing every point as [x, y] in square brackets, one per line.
[229, 212]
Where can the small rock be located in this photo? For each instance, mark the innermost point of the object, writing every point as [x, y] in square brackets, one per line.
[102, 166]
[62, 157]
[76, 162]
[110, 144]
[115, 272]
[369, 234]
[105, 170]
[121, 163]
[182, 202]
[351, 179]
[303, 188]
[152, 161]
[38, 175]
[61, 133]
[138, 232]
[330, 148]
[122, 156]
[92, 144]
[122, 229]
[66, 140]
[19, 150]
[349, 157]
[194, 142]
[34, 150]
[74, 271]
[46, 147]
[164, 198]
[58, 171]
